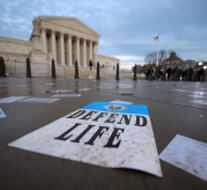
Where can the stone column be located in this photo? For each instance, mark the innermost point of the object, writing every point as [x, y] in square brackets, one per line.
[62, 49]
[84, 54]
[69, 53]
[90, 51]
[78, 50]
[96, 53]
[54, 46]
[44, 42]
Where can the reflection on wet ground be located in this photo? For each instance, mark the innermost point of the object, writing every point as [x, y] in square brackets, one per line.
[193, 94]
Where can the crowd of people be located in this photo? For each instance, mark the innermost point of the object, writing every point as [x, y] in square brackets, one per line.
[175, 74]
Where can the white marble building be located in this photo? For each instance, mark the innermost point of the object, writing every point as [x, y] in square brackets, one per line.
[63, 39]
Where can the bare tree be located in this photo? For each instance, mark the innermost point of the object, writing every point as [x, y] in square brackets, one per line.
[151, 58]
[162, 56]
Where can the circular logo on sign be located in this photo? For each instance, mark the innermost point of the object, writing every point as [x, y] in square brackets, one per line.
[115, 107]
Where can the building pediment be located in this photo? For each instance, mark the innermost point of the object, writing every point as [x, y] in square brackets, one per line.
[71, 23]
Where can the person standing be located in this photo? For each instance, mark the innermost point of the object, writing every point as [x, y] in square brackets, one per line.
[169, 72]
[2, 67]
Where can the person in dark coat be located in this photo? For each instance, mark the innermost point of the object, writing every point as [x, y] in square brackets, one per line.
[180, 74]
[147, 74]
[190, 74]
[202, 74]
[2, 67]
[175, 74]
[169, 72]
[184, 75]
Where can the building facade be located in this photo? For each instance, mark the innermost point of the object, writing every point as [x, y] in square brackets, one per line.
[62, 39]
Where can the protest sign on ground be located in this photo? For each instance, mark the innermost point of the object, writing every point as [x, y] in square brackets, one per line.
[101, 133]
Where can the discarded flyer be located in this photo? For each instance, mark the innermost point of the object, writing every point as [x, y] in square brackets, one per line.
[107, 87]
[199, 92]
[200, 101]
[83, 89]
[11, 99]
[66, 95]
[121, 102]
[179, 90]
[187, 154]
[39, 100]
[198, 96]
[2, 114]
[101, 133]
[125, 86]
[60, 91]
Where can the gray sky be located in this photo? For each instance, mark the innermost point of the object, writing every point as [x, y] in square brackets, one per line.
[127, 27]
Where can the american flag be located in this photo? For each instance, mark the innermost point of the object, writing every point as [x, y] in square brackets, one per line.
[156, 38]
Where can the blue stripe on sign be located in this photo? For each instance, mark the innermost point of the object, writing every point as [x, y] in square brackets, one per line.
[117, 108]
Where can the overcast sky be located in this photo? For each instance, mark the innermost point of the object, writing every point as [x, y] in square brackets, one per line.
[127, 27]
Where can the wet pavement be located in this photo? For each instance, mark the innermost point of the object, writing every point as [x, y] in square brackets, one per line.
[175, 108]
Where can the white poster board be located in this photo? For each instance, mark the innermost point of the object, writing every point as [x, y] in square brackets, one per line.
[187, 154]
[11, 99]
[101, 133]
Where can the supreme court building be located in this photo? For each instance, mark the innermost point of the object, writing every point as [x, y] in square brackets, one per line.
[62, 39]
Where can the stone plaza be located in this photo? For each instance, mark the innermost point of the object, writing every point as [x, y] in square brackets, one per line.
[173, 110]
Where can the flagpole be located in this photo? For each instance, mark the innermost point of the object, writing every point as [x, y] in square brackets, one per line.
[157, 50]
[156, 38]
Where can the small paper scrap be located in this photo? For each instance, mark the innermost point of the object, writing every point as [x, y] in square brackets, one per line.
[58, 91]
[66, 95]
[125, 86]
[179, 90]
[120, 102]
[2, 114]
[84, 89]
[40, 100]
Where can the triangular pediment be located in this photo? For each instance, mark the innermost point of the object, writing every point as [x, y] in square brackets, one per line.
[71, 23]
